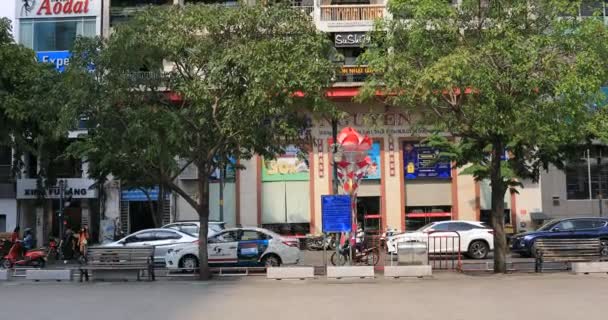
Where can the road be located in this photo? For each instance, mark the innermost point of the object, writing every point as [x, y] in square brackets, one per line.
[446, 296]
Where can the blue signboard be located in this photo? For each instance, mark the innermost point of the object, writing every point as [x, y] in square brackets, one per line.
[373, 171]
[136, 194]
[58, 58]
[420, 162]
[336, 213]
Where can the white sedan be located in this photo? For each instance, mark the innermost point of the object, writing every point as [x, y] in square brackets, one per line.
[161, 239]
[473, 238]
[243, 247]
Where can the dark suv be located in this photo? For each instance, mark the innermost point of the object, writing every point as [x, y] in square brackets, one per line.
[562, 229]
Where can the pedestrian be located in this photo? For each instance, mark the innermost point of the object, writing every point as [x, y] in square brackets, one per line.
[83, 240]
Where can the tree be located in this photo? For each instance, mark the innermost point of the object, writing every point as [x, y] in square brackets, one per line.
[517, 76]
[30, 102]
[240, 80]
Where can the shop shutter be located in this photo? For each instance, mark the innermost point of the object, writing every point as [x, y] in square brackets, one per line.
[297, 200]
[273, 202]
[428, 193]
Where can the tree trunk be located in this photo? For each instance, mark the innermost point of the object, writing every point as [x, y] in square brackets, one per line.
[151, 207]
[203, 215]
[160, 208]
[498, 209]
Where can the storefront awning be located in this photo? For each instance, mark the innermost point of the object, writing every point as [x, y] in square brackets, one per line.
[539, 216]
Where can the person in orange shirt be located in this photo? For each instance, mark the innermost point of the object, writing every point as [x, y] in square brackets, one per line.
[83, 240]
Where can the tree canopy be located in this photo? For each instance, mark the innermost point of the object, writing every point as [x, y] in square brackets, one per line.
[520, 76]
[197, 84]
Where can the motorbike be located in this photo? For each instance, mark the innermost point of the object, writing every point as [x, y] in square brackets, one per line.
[32, 258]
[320, 242]
[368, 256]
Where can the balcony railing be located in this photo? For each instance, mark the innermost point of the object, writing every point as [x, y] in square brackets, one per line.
[362, 12]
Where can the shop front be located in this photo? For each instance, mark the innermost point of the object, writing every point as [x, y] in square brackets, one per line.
[40, 206]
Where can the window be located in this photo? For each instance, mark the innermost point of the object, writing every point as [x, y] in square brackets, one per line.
[566, 225]
[2, 223]
[460, 226]
[141, 237]
[441, 227]
[585, 224]
[5, 163]
[55, 35]
[228, 236]
[248, 235]
[167, 235]
[588, 178]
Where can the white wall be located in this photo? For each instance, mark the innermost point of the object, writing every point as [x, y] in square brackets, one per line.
[8, 207]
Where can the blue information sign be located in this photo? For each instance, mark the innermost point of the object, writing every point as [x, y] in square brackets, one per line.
[58, 58]
[336, 213]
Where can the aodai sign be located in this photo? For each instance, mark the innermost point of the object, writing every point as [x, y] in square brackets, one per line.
[59, 8]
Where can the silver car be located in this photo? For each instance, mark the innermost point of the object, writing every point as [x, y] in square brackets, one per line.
[161, 239]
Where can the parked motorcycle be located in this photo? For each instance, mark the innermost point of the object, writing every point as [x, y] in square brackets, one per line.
[15, 257]
[368, 256]
[320, 242]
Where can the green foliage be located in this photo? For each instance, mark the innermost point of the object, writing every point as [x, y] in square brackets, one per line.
[496, 75]
[30, 100]
[197, 84]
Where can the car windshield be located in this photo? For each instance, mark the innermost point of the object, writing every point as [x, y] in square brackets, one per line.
[426, 226]
[549, 225]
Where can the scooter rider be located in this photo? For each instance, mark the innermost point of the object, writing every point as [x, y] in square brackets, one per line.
[359, 238]
[28, 240]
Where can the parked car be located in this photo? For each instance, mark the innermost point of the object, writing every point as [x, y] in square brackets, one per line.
[523, 243]
[161, 239]
[192, 227]
[476, 238]
[238, 247]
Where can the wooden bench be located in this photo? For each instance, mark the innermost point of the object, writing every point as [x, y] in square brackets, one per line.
[566, 250]
[115, 259]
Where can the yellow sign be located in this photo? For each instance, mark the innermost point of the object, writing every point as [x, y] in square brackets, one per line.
[355, 70]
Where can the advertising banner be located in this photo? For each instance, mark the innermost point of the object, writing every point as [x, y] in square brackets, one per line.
[59, 59]
[58, 8]
[373, 171]
[422, 162]
[290, 166]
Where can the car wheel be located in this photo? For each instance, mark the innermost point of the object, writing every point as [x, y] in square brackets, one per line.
[189, 263]
[271, 260]
[478, 250]
[6, 264]
[604, 248]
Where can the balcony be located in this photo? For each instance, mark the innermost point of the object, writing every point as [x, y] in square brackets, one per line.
[348, 15]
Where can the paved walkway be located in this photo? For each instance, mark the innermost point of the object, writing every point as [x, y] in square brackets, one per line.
[446, 296]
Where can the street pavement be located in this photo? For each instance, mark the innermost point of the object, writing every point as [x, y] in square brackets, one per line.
[447, 295]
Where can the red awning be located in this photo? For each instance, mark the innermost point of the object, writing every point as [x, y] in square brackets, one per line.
[428, 214]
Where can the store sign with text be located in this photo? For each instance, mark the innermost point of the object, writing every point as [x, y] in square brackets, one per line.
[58, 8]
[350, 39]
[422, 162]
[77, 188]
[60, 59]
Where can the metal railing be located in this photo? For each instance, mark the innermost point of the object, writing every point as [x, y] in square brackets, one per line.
[361, 12]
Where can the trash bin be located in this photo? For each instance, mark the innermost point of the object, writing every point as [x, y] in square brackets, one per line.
[412, 253]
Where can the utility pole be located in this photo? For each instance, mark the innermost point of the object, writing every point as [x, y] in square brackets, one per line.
[62, 186]
[334, 135]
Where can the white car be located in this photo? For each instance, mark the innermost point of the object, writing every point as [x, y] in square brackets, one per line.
[161, 239]
[192, 227]
[238, 247]
[476, 238]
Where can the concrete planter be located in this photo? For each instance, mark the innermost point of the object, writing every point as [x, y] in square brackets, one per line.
[290, 273]
[408, 271]
[589, 267]
[57, 275]
[3, 275]
[350, 272]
